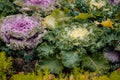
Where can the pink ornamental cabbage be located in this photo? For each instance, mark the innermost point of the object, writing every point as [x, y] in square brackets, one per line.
[115, 1]
[112, 56]
[21, 32]
[43, 5]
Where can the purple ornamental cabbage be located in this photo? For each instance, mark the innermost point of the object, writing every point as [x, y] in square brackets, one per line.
[42, 5]
[115, 1]
[112, 56]
[21, 32]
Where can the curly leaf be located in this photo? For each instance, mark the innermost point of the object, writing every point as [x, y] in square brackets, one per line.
[7, 7]
[83, 16]
[45, 49]
[96, 62]
[53, 64]
[70, 59]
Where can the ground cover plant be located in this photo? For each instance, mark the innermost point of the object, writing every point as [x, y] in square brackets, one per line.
[59, 39]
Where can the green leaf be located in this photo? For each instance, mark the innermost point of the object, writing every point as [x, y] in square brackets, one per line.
[96, 62]
[59, 13]
[46, 49]
[53, 64]
[70, 59]
[83, 16]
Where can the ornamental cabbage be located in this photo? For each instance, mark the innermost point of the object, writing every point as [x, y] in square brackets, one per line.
[21, 32]
[112, 56]
[71, 45]
[42, 5]
[115, 1]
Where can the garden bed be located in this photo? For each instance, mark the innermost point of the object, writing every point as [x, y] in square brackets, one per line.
[59, 40]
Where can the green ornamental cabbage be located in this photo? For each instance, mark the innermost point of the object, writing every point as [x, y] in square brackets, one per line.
[76, 44]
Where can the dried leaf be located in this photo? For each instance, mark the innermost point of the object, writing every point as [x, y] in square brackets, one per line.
[107, 23]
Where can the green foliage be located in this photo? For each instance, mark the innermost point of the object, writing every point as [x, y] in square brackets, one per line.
[97, 11]
[77, 74]
[83, 16]
[21, 77]
[5, 66]
[115, 75]
[60, 50]
[96, 62]
[53, 64]
[39, 75]
[80, 5]
[29, 76]
[7, 7]
[82, 50]
[46, 49]
[70, 58]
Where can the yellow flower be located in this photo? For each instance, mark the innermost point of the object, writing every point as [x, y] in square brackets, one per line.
[107, 23]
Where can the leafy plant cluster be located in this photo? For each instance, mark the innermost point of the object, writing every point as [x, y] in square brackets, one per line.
[78, 33]
[7, 8]
[76, 74]
[5, 66]
[93, 9]
[59, 47]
